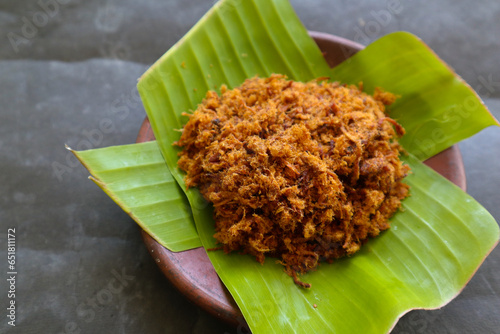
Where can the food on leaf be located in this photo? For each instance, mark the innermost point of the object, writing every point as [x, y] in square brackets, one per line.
[303, 172]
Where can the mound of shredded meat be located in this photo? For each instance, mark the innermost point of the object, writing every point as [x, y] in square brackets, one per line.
[303, 172]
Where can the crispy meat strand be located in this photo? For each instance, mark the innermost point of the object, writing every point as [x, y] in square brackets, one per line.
[303, 172]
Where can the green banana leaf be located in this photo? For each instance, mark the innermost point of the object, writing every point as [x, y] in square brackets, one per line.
[137, 179]
[434, 246]
[437, 108]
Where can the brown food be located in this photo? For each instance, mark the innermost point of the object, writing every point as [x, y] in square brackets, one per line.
[303, 172]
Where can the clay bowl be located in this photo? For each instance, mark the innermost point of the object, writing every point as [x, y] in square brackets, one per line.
[191, 271]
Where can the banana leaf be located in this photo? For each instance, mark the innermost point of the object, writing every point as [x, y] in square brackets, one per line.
[435, 245]
[137, 179]
[437, 107]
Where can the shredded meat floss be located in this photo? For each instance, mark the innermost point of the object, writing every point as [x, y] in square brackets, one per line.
[302, 172]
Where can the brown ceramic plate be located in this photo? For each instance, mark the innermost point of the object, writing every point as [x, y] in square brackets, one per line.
[192, 272]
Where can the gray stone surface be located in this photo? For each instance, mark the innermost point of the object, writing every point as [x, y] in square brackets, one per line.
[82, 267]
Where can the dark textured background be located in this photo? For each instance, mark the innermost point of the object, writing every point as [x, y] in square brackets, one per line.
[68, 75]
